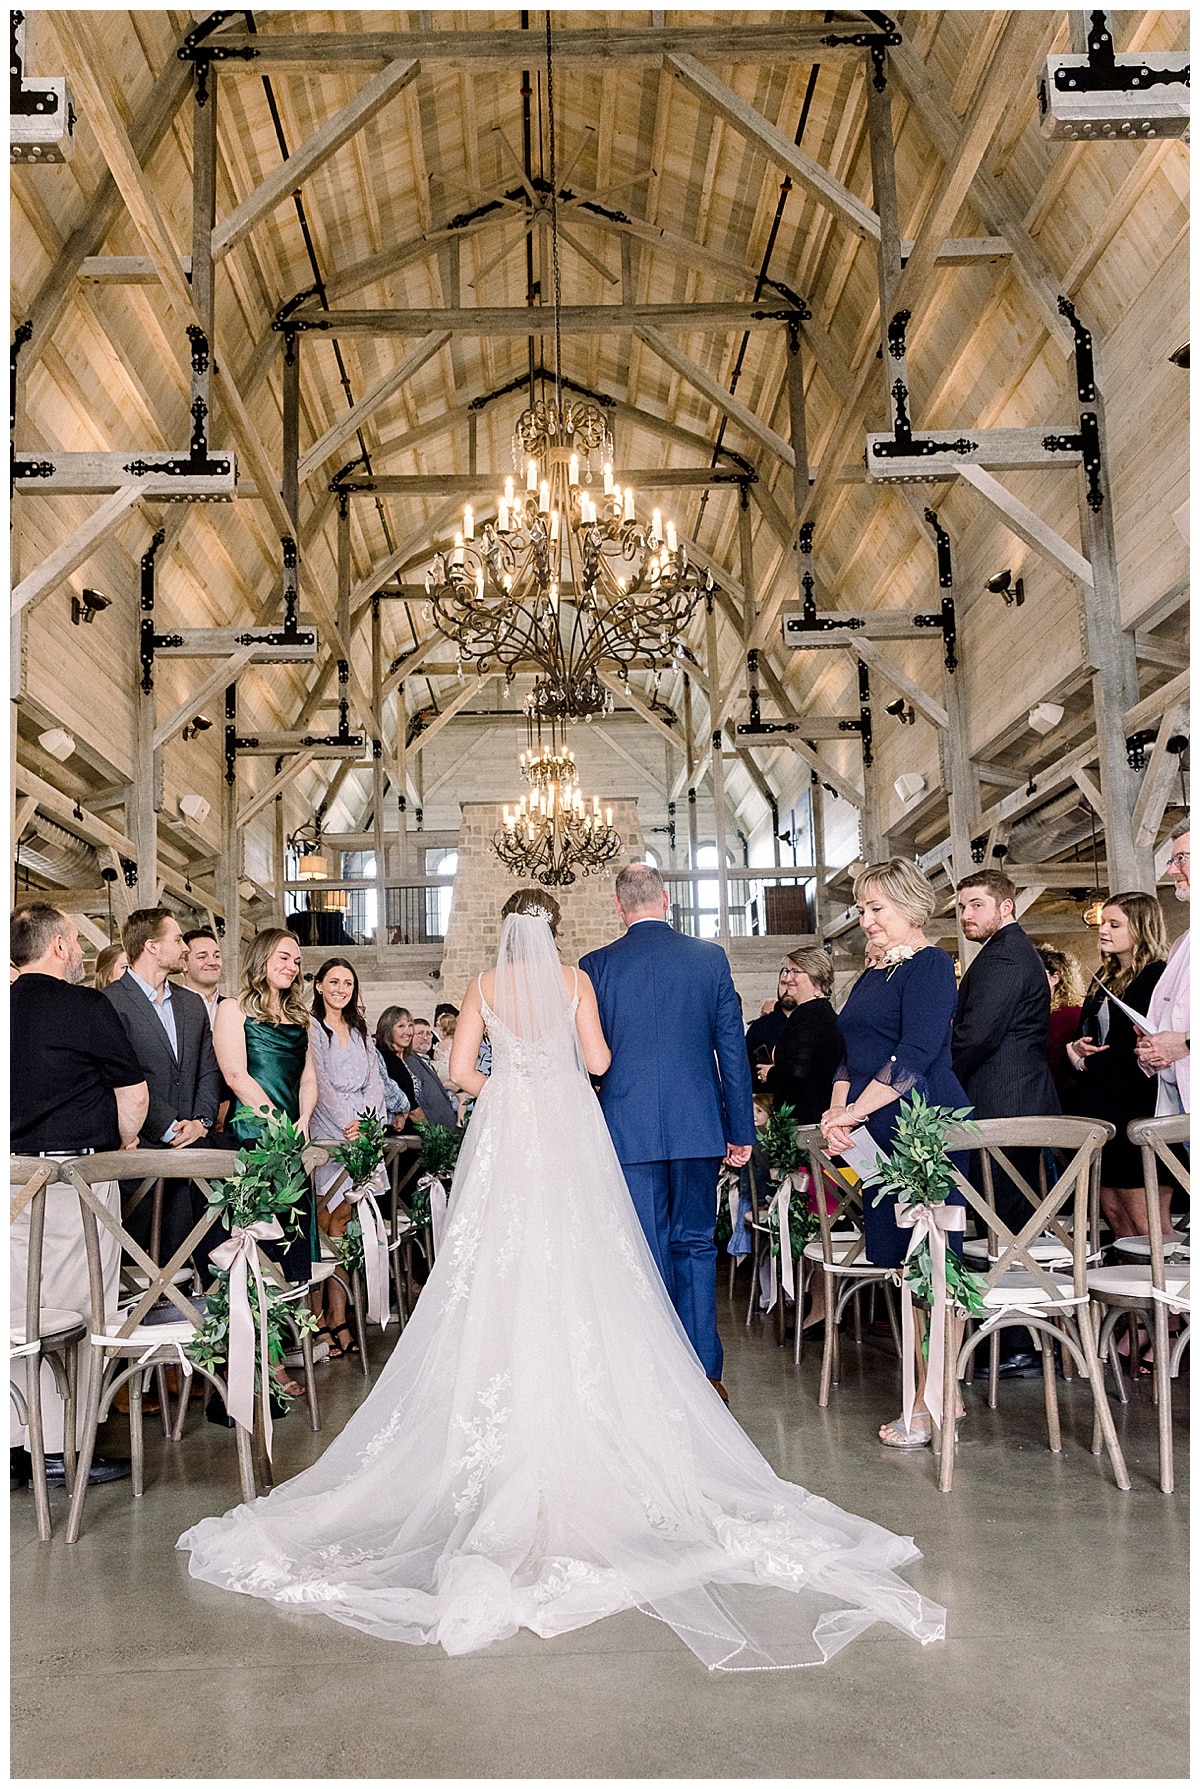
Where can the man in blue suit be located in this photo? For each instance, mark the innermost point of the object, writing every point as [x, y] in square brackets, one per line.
[677, 1099]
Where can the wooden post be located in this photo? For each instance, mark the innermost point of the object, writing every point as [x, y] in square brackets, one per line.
[204, 217]
[229, 867]
[1112, 653]
[717, 762]
[378, 783]
[798, 433]
[145, 794]
[280, 861]
[883, 181]
[343, 568]
[962, 787]
[689, 740]
[816, 800]
[746, 562]
[290, 478]
[402, 781]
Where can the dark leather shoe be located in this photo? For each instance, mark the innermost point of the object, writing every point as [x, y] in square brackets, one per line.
[20, 1469]
[720, 1390]
[1026, 1365]
[103, 1471]
[216, 1412]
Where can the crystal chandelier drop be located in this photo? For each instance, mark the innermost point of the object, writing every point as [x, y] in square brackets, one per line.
[564, 578]
[552, 833]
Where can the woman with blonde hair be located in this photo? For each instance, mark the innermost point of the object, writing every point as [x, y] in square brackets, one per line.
[896, 1025]
[111, 965]
[1133, 954]
[265, 1055]
[1066, 1004]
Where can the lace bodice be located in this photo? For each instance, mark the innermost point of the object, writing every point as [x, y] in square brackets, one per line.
[556, 1053]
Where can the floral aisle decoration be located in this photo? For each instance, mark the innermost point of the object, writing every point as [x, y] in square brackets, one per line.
[256, 1203]
[919, 1173]
[790, 1223]
[439, 1158]
[363, 1245]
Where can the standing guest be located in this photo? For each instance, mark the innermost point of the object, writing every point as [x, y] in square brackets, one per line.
[393, 1035]
[432, 1097]
[265, 1055]
[896, 1023]
[810, 1049]
[1133, 952]
[999, 1050]
[445, 1018]
[76, 1089]
[202, 968]
[169, 1031]
[1065, 977]
[677, 1097]
[763, 1033]
[348, 1084]
[1167, 1051]
[111, 965]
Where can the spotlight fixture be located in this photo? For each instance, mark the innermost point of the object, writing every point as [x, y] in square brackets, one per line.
[108, 874]
[910, 784]
[58, 742]
[1182, 357]
[978, 848]
[1135, 748]
[199, 723]
[1001, 584]
[902, 710]
[1045, 716]
[195, 807]
[1178, 744]
[85, 608]
[1000, 851]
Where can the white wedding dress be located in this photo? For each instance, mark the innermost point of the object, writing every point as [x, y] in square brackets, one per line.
[543, 1448]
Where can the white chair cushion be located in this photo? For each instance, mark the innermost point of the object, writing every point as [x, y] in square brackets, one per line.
[146, 1334]
[1017, 1286]
[1047, 1250]
[1139, 1247]
[182, 1277]
[842, 1246]
[50, 1322]
[1133, 1281]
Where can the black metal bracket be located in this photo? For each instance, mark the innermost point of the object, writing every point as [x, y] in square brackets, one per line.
[23, 332]
[200, 354]
[1085, 370]
[875, 42]
[23, 101]
[291, 590]
[195, 50]
[148, 638]
[231, 738]
[902, 446]
[196, 464]
[1103, 74]
[897, 334]
[1089, 432]
[864, 716]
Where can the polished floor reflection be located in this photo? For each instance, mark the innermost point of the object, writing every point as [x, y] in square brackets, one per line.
[1066, 1654]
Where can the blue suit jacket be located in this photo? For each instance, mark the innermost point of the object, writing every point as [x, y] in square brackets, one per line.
[679, 1085]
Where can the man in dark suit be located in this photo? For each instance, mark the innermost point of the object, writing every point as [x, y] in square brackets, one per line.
[764, 1033]
[677, 1098]
[171, 1037]
[999, 1044]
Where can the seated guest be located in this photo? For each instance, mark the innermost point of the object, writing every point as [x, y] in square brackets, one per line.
[77, 1088]
[171, 1037]
[1133, 947]
[393, 1035]
[348, 1084]
[1065, 977]
[763, 1033]
[111, 965]
[1166, 1052]
[432, 1097]
[896, 1024]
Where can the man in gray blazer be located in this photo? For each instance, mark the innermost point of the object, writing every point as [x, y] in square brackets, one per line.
[998, 1047]
[171, 1037]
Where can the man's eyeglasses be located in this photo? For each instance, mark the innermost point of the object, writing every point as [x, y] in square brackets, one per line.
[1179, 859]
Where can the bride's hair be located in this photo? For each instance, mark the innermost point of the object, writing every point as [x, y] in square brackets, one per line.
[534, 901]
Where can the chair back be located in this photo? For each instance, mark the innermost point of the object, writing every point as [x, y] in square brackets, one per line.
[837, 1247]
[1065, 1208]
[31, 1175]
[403, 1158]
[1159, 1140]
[201, 1166]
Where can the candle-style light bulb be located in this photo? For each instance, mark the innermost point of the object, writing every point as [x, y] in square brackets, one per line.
[544, 497]
[554, 597]
[553, 524]
[628, 503]
[656, 525]
[509, 496]
[502, 514]
[456, 558]
[672, 538]
[608, 478]
[608, 816]
[468, 523]
[531, 478]
[573, 469]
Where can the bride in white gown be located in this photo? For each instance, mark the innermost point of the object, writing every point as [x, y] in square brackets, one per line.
[543, 1448]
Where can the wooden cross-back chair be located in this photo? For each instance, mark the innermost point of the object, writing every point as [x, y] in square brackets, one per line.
[1159, 1140]
[41, 1333]
[1023, 1290]
[402, 1156]
[316, 1156]
[838, 1252]
[124, 1347]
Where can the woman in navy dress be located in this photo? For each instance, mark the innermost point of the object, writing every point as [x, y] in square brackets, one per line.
[896, 1023]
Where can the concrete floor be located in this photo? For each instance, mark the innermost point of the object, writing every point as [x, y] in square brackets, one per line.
[1066, 1655]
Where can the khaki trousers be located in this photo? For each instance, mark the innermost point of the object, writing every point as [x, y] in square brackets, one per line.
[64, 1288]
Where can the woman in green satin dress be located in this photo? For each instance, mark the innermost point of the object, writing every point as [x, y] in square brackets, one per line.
[261, 1040]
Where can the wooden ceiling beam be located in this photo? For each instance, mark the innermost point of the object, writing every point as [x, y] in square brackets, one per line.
[745, 418]
[308, 52]
[519, 320]
[284, 180]
[373, 399]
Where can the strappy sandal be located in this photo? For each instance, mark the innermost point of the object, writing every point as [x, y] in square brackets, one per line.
[907, 1435]
[338, 1351]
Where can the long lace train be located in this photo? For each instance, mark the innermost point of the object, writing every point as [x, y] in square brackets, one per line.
[542, 1448]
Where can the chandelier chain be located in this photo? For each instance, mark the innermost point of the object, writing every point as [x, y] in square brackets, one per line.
[554, 213]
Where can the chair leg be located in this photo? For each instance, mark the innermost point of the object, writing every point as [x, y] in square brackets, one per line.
[1050, 1389]
[137, 1438]
[1162, 1379]
[181, 1408]
[994, 1369]
[893, 1322]
[856, 1306]
[1109, 1352]
[164, 1400]
[245, 1453]
[87, 1447]
[827, 1374]
[359, 1293]
[1103, 1413]
[70, 1402]
[37, 1444]
[949, 1435]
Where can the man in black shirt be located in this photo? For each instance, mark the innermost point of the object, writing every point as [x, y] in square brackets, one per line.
[765, 1031]
[76, 1088]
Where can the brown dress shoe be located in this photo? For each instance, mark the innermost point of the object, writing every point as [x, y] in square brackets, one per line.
[720, 1390]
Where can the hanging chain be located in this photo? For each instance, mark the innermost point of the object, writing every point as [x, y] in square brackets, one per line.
[554, 214]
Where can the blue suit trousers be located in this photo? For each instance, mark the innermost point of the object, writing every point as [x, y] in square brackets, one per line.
[676, 1203]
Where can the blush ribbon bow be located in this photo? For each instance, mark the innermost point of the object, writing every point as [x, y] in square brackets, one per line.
[240, 1256]
[934, 1222]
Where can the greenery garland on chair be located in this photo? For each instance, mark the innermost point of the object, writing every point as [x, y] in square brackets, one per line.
[918, 1171]
[439, 1157]
[267, 1181]
[777, 1140]
[361, 1157]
